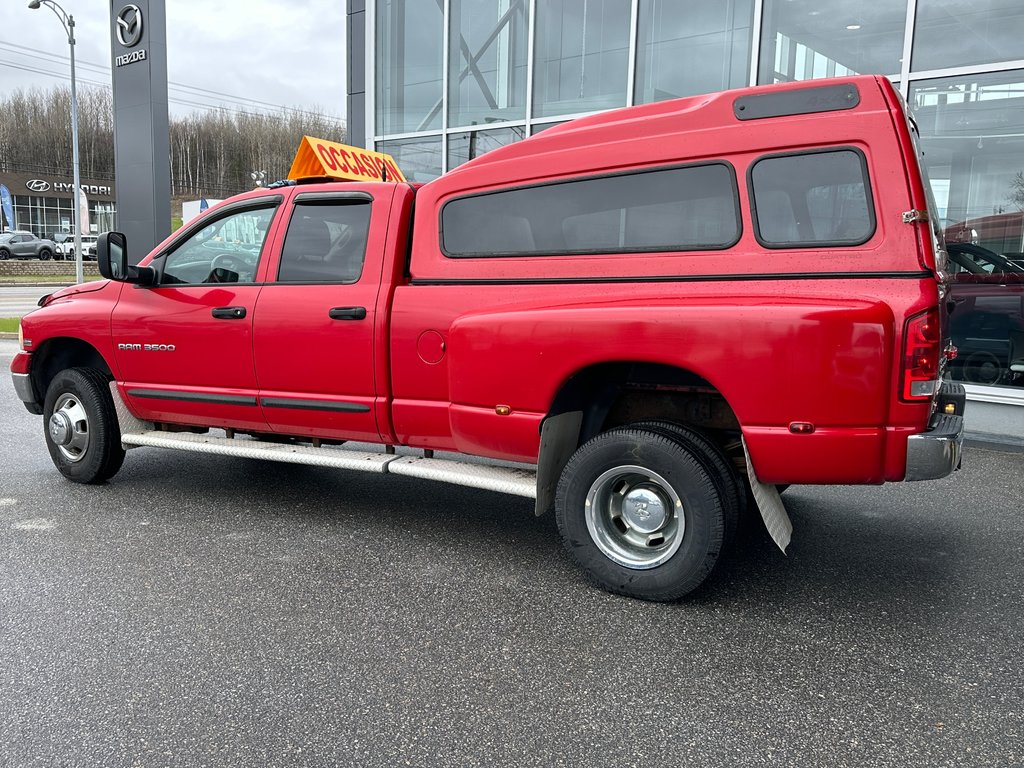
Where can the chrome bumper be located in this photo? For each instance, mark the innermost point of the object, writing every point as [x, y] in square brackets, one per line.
[26, 393]
[936, 453]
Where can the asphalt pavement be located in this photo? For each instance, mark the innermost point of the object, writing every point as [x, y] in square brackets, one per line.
[19, 300]
[207, 611]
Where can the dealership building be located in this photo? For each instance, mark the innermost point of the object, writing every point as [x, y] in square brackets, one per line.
[436, 83]
[44, 203]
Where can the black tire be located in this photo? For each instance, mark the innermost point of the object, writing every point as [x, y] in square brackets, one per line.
[4, 254]
[655, 524]
[80, 424]
[716, 464]
[45, 254]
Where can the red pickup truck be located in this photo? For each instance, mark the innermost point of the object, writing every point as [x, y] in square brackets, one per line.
[652, 317]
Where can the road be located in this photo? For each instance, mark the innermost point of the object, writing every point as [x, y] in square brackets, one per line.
[17, 300]
[205, 611]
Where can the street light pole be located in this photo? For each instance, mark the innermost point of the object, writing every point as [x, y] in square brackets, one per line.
[68, 22]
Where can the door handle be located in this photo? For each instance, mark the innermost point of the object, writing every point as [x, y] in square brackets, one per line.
[228, 313]
[347, 313]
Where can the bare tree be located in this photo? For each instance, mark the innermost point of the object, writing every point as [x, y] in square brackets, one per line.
[1017, 190]
[212, 153]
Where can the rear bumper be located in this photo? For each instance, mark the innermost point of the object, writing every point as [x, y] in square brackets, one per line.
[936, 453]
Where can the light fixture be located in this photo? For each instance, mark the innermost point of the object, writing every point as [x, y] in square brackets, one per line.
[68, 22]
[853, 27]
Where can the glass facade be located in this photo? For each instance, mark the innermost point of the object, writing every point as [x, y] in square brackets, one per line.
[409, 65]
[48, 216]
[689, 48]
[419, 159]
[516, 67]
[581, 58]
[463, 147]
[806, 39]
[972, 133]
[956, 33]
[487, 61]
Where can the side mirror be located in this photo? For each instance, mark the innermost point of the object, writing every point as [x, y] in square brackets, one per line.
[112, 260]
[112, 256]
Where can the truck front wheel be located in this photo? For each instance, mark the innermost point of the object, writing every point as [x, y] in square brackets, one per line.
[81, 427]
[641, 513]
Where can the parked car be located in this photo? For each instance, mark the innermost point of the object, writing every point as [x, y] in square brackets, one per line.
[1002, 233]
[25, 245]
[66, 249]
[987, 325]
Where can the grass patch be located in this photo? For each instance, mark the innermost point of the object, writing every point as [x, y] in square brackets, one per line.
[55, 279]
[9, 324]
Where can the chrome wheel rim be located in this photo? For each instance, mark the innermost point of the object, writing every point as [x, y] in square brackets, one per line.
[68, 427]
[635, 517]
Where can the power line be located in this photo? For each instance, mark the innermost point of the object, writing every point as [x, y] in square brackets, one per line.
[52, 58]
[184, 102]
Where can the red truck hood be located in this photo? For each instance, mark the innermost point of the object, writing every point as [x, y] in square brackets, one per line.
[72, 290]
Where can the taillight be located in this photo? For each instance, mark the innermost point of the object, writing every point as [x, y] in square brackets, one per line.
[921, 353]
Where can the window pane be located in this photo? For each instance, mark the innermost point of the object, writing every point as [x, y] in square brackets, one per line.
[419, 159]
[409, 56]
[953, 33]
[326, 243]
[487, 70]
[225, 251]
[690, 48]
[812, 199]
[582, 56]
[668, 210]
[972, 137]
[463, 147]
[808, 39]
[538, 127]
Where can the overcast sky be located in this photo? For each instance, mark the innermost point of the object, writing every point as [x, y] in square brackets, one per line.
[275, 52]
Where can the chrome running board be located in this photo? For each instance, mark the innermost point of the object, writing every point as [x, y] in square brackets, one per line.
[361, 457]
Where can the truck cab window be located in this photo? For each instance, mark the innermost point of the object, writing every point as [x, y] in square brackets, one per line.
[326, 242]
[225, 251]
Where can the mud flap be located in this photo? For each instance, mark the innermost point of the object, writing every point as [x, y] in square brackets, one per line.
[125, 421]
[773, 511]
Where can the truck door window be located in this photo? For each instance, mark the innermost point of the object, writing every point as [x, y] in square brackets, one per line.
[225, 251]
[687, 208]
[812, 199]
[326, 242]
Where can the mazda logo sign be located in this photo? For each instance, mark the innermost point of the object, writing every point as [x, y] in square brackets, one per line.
[38, 185]
[129, 25]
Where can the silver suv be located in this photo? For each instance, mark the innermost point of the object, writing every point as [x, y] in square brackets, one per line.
[25, 245]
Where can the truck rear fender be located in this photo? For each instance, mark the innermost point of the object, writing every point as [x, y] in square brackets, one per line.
[608, 395]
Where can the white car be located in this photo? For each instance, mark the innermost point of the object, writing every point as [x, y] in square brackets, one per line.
[67, 248]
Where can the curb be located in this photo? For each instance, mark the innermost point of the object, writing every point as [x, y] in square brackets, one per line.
[34, 285]
[1000, 443]
[11, 336]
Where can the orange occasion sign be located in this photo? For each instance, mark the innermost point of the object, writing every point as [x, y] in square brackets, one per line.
[318, 157]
